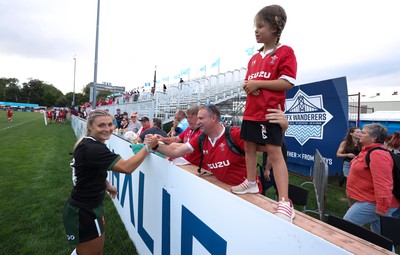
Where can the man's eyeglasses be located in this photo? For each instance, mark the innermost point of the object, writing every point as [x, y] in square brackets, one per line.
[132, 117]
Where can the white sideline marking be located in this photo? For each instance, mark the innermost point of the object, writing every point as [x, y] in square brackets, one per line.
[1, 129]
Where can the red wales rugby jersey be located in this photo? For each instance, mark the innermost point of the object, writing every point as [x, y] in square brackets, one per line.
[281, 64]
[185, 136]
[225, 165]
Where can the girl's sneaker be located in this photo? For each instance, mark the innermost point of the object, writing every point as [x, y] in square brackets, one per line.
[285, 210]
[245, 187]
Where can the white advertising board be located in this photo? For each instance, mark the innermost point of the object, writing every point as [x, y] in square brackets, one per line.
[168, 210]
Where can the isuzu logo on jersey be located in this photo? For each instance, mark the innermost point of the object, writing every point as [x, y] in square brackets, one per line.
[219, 164]
[307, 117]
[263, 74]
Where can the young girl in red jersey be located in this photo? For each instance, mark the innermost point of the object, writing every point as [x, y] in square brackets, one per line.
[270, 73]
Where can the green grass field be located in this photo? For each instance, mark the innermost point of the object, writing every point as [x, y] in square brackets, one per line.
[35, 182]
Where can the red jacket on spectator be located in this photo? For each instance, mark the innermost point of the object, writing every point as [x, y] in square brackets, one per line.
[375, 184]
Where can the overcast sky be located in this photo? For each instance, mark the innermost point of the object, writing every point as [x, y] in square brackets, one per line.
[39, 39]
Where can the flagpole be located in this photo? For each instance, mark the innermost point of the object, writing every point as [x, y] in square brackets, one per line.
[155, 78]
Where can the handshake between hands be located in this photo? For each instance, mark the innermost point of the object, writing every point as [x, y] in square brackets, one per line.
[151, 139]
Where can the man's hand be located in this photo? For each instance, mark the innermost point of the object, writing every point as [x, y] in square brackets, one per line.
[277, 116]
[151, 140]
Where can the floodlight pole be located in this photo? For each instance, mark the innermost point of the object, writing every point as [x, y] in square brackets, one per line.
[155, 79]
[73, 91]
[96, 57]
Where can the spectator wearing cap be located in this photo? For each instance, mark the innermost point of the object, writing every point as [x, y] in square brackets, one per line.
[145, 121]
[134, 124]
[155, 129]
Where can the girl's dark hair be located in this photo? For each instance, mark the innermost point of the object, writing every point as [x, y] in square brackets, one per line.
[275, 16]
[394, 143]
[349, 139]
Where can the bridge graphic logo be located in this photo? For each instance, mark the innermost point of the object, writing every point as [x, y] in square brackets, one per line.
[307, 117]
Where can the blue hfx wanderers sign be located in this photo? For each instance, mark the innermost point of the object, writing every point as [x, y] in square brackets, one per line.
[307, 117]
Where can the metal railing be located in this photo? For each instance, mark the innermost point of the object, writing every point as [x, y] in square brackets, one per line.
[320, 183]
[215, 89]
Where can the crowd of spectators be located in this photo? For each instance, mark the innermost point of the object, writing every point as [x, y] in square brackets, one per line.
[122, 98]
[368, 189]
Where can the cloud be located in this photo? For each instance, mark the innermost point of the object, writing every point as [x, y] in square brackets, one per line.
[332, 39]
[36, 30]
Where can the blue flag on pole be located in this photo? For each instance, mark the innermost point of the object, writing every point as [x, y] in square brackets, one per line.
[176, 77]
[216, 63]
[203, 69]
[165, 78]
[186, 72]
[250, 51]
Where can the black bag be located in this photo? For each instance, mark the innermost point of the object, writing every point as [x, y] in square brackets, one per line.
[229, 141]
[396, 169]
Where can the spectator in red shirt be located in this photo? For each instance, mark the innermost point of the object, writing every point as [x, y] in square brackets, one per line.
[226, 165]
[191, 132]
[370, 189]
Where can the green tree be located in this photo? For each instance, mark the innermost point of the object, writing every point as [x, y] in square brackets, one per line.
[100, 94]
[48, 99]
[32, 91]
[13, 93]
[50, 95]
[9, 89]
[79, 98]
[86, 89]
[41, 93]
[62, 102]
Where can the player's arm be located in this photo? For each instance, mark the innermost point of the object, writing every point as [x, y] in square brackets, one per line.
[130, 165]
[169, 140]
[174, 146]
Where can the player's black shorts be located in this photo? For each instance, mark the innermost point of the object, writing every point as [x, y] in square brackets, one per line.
[83, 224]
[261, 132]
